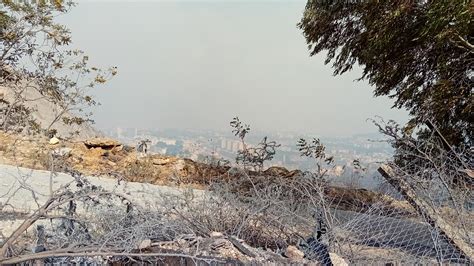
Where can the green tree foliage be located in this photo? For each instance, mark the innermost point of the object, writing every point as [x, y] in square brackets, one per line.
[35, 54]
[418, 52]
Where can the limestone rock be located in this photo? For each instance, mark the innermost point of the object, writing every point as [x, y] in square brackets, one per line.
[294, 253]
[163, 160]
[53, 141]
[145, 244]
[103, 143]
[216, 234]
[62, 152]
[337, 260]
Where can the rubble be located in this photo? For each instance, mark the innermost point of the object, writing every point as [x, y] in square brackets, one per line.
[219, 248]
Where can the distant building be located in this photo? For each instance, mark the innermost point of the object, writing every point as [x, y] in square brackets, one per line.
[167, 141]
[231, 145]
[235, 146]
[126, 132]
[223, 144]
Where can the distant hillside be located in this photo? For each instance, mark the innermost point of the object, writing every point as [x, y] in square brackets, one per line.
[44, 112]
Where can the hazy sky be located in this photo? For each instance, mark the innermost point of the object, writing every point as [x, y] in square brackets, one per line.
[197, 64]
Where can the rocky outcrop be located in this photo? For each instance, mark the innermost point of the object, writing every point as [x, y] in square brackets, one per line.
[102, 143]
[107, 157]
[281, 171]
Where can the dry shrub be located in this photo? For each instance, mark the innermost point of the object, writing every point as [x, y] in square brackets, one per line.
[83, 216]
[143, 170]
[269, 215]
[272, 211]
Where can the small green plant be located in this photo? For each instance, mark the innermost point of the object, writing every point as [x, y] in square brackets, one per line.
[317, 151]
[253, 157]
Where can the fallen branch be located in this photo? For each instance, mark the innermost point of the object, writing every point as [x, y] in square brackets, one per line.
[62, 254]
[426, 210]
[240, 247]
[43, 212]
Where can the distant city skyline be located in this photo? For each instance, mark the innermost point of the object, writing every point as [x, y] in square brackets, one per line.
[211, 146]
[254, 133]
[198, 64]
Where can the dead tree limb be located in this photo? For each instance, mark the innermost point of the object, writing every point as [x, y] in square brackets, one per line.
[42, 211]
[241, 247]
[426, 210]
[70, 253]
